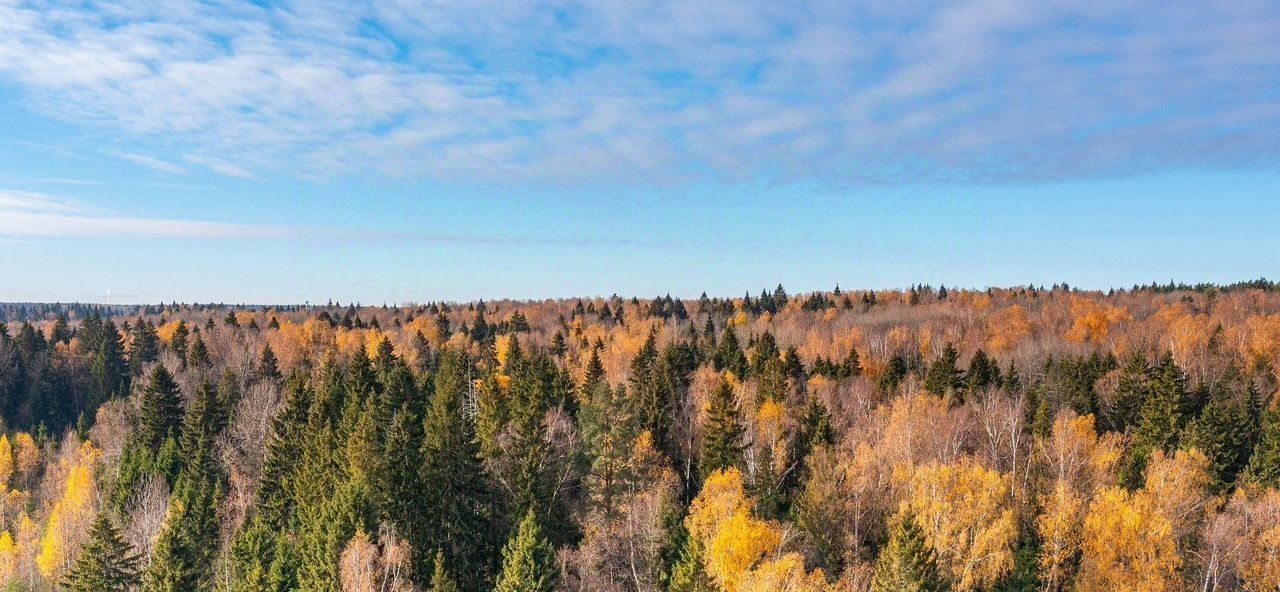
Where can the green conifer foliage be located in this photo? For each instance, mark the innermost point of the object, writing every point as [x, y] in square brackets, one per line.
[106, 563]
[907, 563]
[528, 560]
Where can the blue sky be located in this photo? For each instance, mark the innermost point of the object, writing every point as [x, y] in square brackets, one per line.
[410, 151]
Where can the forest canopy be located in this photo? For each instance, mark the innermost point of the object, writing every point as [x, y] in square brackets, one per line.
[1013, 439]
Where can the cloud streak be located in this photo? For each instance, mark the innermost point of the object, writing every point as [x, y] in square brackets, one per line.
[25, 215]
[656, 92]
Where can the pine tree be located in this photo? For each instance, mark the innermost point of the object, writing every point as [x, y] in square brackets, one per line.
[722, 439]
[907, 563]
[106, 563]
[161, 413]
[528, 560]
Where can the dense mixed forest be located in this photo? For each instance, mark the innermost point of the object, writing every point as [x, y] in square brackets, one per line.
[910, 440]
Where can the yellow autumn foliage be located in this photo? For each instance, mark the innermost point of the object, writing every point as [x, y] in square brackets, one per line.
[1059, 527]
[1006, 328]
[27, 455]
[738, 548]
[8, 558]
[1093, 320]
[6, 462]
[1128, 546]
[166, 330]
[71, 515]
[966, 516]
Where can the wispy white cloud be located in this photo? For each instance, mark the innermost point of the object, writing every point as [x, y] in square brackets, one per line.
[151, 162]
[26, 214]
[29, 214]
[221, 166]
[654, 91]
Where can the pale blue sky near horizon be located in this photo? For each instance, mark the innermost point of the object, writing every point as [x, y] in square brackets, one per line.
[407, 151]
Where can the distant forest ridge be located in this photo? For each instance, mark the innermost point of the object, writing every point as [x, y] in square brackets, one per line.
[20, 311]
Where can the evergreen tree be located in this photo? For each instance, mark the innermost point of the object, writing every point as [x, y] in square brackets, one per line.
[609, 431]
[983, 372]
[528, 560]
[593, 375]
[198, 353]
[1264, 465]
[943, 376]
[1132, 389]
[729, 354]
[109, 374]
[907, 563]
[558, 345]
[178, 342]
[145, 347]
[61, 332]
[268, 366]
[456, 512]
[161, 413]
[1225, 432]
[284, 453]
[688, 573]
[441, 581]
[852, 364]
[106, 563]
[722, 436]
[185, 551]
[1160, 421]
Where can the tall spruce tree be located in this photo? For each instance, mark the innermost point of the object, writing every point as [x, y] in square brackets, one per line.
[1264, 464]
[457, 510]
[161, 415]
[178, 342]
[145, 347]
[609, 431]
[687, 572]
[944, 377]
[1225, 431]
[198, 353]
[729, 355]
[528, 560]
[109, 374]
[441, 580]
[1132, 389]
[1160, 420]
[268, 366]
[907, 563]
[722, 436]
[107, 562]
[185, 551]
